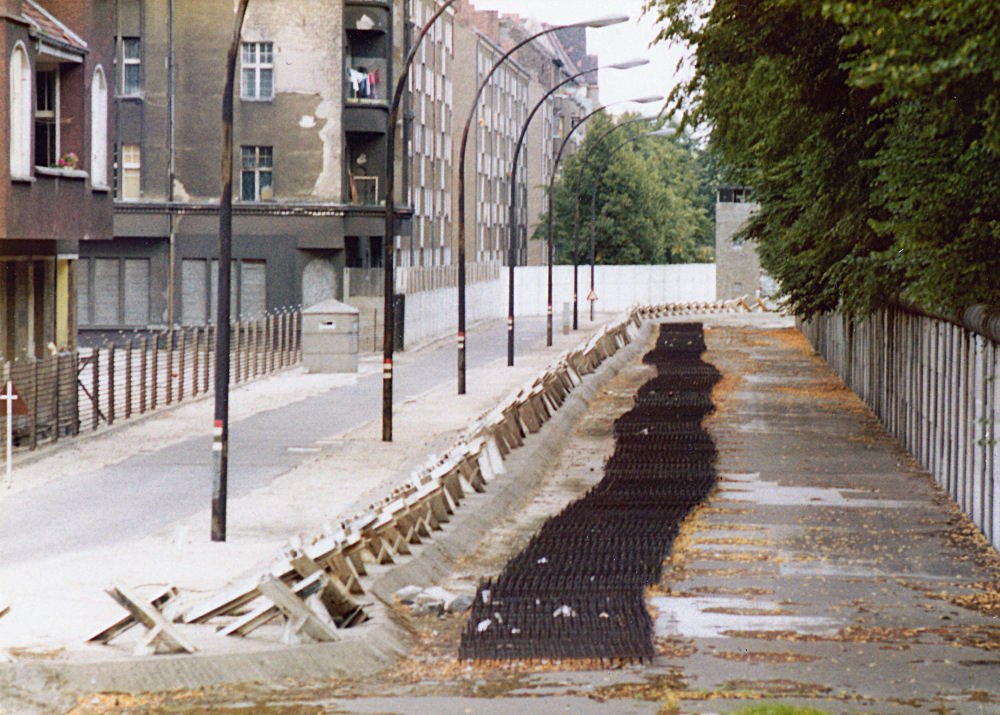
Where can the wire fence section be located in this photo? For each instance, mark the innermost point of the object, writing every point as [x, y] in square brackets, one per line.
[933, 382]
[71, 393]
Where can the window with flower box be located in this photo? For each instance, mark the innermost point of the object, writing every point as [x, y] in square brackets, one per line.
[47, 118]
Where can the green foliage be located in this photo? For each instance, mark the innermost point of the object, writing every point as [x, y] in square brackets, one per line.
[870, 133]
[652, 202]
[778, 709]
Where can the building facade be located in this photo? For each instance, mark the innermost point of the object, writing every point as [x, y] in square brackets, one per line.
[310, 125]
[429, 131]
[312, 100]
[55, 196]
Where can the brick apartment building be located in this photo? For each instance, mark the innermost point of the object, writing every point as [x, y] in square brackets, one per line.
[55, 197]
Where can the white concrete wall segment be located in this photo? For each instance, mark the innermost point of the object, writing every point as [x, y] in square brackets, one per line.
[936, 389]
[617, 287]
[434, 313]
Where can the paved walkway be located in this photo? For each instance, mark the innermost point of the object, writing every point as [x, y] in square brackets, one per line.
[827, 570]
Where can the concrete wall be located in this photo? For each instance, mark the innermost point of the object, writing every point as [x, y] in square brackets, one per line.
[617, 287]
[432, 314]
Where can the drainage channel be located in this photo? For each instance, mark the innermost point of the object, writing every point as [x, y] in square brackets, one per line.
[577, 590]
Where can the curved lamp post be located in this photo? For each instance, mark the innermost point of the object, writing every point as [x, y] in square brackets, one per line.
[552, 182]
[593, 198]
[600, 22]
[576, 208]
[512, 223]
[389, 241]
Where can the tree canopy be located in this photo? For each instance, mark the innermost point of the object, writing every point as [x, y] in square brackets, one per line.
[870, 134]
[652, 204]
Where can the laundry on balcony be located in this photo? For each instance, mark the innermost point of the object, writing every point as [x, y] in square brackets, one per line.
[363, 83]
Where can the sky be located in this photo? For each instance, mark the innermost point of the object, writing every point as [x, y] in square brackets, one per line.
[624, 41]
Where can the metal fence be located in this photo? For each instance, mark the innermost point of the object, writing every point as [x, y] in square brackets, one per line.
[71, 393]
[932, 380]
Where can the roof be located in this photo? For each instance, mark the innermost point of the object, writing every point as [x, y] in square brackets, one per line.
[49, 27]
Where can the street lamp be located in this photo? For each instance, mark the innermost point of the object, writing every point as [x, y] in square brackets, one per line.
[388, 243]
[576, 206]
[512, 228]
[552, 182]
[598, 22]
[593, 200]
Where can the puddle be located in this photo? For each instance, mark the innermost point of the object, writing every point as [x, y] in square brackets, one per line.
[687, 617]
[751, 488]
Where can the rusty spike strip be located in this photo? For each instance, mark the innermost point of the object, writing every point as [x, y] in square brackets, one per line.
[577, 590]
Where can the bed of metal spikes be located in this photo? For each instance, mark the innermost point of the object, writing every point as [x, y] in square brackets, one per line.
[577, 590]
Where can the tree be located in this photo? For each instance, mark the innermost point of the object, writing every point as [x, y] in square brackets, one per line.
[870, 133]
[650, 206]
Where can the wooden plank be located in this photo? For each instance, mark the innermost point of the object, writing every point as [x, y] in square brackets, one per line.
[249, 622]
[159, 630]
[119, 627]
[301, 619]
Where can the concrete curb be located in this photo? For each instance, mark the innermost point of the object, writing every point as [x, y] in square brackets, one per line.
[369, 647]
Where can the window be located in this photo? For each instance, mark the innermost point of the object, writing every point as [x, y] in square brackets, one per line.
[258, 71]
[20, 113]
[131, 172]
[47, 118]
[99, 129]
[256, 175]
[131, 65]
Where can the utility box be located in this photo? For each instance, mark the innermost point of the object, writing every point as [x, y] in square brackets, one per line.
[330, 337]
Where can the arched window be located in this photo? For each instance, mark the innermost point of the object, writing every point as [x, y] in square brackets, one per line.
[20, 112]
[99, 129]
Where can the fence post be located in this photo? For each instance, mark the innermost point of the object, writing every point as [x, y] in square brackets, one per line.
[111, 384]
[195, 353]
[95, 388]
[169, 373]
[155, 370]
[235, 350]
[128, 379]
[269, 344]
[281, 340]
[143, 354]
[56, 400]
[180, 366]
[34, 405]
[255, 328]
[209, 338]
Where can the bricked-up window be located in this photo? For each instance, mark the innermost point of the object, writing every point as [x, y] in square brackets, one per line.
[131, 65]
[20, 113]
[131, 172]
[46, 118]
[258, 70]
[99, 129]
[256, 177]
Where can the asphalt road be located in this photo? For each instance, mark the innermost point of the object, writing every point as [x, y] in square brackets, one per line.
[149, 491]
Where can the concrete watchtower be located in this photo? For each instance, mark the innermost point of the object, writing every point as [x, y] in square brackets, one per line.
[737, 266]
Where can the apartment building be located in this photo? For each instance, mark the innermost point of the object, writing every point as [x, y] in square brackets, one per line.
[310, 126]
[429, 126]
[55, 197]
[312, 100]
[498, 117]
